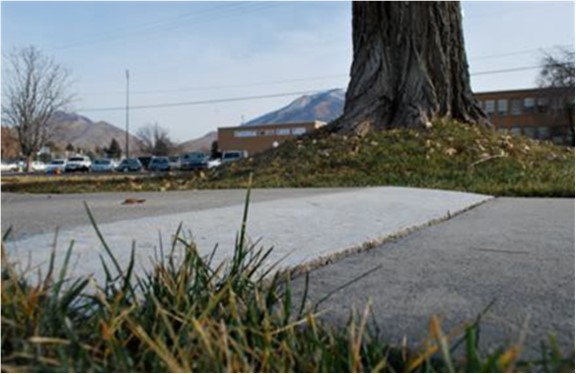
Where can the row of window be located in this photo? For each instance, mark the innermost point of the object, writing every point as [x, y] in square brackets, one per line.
[542, 132]
[269, 132]
[516, 107]
[556, 134]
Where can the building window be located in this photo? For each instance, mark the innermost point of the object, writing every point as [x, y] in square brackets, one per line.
[531, 132]
[542, 105]
[516, 107]
[503, 107]
[557, 104]
[245, 133]
[267, 132]
[561, 135]
[529, 105]
[489, 107]
[515, 130]
[543, 133]
[298, 130]
[283, 132]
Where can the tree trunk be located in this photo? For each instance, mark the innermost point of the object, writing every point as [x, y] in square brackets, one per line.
[409, 67]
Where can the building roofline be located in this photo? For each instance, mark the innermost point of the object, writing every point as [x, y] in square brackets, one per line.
[248, 127]
[523, 90]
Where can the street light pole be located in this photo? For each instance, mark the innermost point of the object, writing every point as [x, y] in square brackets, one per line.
[127, 111]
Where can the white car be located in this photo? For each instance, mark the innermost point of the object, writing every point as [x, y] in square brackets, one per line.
[56, 166]
[78, 163]
[38, 166]
[214, 163]
[10, 166]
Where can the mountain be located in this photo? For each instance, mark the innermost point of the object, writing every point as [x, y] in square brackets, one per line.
[324, 106]
[203, 144]
[81, 132]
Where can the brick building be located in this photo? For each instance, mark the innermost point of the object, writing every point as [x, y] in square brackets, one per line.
[254, 139]
[535, 113]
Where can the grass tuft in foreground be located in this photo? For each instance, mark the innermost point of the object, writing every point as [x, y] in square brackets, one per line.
[188, 315]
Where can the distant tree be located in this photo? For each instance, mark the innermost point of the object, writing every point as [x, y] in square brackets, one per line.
[155, 140]
[34, 87]
[98, 151]
[114, 150]
[45, 157]
[162, 148]
[215, 150]
[54, 150]
[69, 147]
[557, 73]
[10, 147]
[409, 67]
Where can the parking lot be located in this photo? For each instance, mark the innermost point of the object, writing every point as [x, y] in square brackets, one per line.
[144, 164]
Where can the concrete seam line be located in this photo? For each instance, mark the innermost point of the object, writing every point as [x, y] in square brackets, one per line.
[298, 270]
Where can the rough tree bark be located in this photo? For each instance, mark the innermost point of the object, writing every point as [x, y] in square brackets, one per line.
[409, 67]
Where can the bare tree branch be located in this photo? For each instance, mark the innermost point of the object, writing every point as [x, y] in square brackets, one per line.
[155, 140]
[558, 73]
[34, 88]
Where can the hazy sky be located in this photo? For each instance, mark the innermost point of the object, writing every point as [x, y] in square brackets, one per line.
[190, 52]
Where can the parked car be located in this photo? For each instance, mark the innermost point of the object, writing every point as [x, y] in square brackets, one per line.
[214, 163]
[194, 161]
[56, 166]
[175, 163]
[230, 156]
[11, 166]
[38, 166]
[103, 165]
[129, 164]
[145, 161]
[6, 166]
[78, 163]
[159, 163]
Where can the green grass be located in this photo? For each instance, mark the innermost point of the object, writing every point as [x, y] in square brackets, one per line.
[449, 156]
[195, 316]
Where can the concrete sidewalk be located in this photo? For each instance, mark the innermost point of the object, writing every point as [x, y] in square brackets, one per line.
[303, 230]
[516, 254]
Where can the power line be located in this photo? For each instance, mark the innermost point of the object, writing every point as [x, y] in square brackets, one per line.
[200, 102]
[207, 88]
[258, 97]
[516, 53]
[168, 24]
[293, 80]
[505, 70]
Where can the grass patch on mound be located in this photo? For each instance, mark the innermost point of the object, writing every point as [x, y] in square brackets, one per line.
[449, 155]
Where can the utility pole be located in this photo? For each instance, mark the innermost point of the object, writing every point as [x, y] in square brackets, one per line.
[127, 111]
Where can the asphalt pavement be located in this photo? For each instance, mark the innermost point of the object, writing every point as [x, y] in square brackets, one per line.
[514, 255]
[33, 214]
